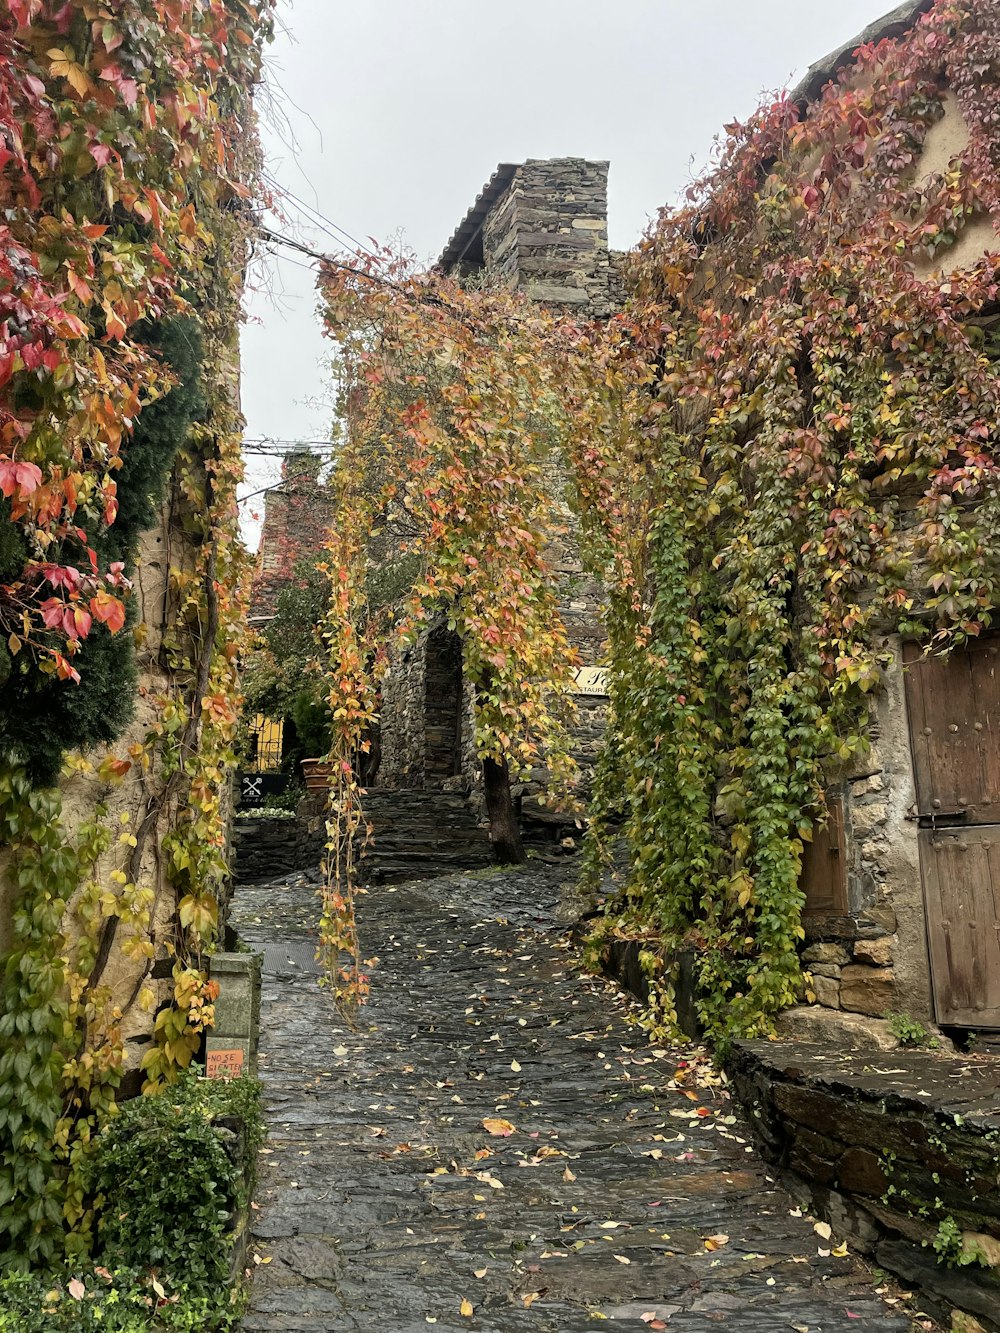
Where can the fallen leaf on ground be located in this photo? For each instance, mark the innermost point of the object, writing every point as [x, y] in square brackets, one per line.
[466, 1309]
[500, 1128]
[716, 1242]
[823, 1229]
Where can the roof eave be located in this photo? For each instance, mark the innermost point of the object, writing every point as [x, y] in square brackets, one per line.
[465, 233]
[893, 24]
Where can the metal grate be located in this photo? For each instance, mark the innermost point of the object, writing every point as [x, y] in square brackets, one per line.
[266, 740]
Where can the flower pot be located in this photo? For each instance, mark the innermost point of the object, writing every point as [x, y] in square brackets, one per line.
[317, 774]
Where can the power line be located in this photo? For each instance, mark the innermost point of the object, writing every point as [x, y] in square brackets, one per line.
[285, 481]
[318, 219]
[269, 234]
[265, 448]
[273, 439]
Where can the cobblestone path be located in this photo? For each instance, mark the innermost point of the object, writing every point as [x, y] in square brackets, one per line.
[388, 1200]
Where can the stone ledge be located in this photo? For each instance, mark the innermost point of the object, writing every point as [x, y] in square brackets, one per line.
[268, 848]
[887, 1146]
[840, 1031]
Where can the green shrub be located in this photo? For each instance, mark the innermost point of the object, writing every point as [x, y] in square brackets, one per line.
[169, 1174]
[168, 1178]
[908, 1032]
[102, 1302]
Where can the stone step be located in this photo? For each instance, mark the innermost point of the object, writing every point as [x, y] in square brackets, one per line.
[419, 834]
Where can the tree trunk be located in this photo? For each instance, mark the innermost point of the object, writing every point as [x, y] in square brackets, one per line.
[505, 831]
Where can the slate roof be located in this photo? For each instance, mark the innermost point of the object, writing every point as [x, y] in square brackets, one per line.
[467, 241]
[893, 24]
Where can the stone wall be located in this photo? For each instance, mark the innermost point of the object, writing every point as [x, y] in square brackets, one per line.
[403, 723]
[401, 718]
[873, 960]
[548, 234]
[898, 1154]
[269, 848]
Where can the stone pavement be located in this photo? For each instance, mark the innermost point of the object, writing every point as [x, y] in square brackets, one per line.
[497, 1148]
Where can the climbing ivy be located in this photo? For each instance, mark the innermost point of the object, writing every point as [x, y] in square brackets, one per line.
[125, 145]
[782, 451]
[815, 441]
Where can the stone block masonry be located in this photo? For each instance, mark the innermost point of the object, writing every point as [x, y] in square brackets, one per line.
[868, 954]
[266, 848]
[548, 234]
[899, 1151]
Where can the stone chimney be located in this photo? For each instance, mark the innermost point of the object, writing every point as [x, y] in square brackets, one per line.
[543, 226]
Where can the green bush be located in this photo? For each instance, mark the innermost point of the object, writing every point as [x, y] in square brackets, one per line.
[168, 1174]
[168, 1178]
[102, 1302]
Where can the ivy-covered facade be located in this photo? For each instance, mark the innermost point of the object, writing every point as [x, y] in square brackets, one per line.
[129, 153]
[803, 668]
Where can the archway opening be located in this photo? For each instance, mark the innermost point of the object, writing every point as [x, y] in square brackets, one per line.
[443, 706]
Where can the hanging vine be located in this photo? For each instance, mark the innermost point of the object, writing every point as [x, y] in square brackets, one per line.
[125, 142]
[446, 473]
[781, 451]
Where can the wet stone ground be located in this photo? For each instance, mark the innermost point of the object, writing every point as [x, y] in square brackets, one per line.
[497, 1148]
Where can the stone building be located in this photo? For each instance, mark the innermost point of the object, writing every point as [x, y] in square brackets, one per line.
[297, 517]
[542, 226]
[902, 885]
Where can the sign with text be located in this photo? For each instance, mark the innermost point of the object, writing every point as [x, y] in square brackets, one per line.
[592, 681]
[224, 1063]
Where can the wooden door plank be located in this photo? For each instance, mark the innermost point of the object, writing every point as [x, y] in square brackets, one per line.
[954, 707]
[986, 715]
[961, 874]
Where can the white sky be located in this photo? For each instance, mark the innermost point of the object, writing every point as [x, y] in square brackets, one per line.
[388, 117]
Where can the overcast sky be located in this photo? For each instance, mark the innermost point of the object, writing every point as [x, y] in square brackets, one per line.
[388, 116]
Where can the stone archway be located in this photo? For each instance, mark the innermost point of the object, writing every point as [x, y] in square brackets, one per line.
[443, 699]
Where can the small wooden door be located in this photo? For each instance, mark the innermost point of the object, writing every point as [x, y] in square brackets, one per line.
[824, 864]
[961, 873]
[954, 710]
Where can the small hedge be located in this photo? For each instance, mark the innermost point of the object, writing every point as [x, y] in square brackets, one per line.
[104, 1302]
[169, 1175]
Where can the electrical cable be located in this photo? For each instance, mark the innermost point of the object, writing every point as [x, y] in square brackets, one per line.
[264, 490]
[320, 219]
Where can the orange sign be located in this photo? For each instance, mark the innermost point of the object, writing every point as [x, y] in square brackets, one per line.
[224, 1064]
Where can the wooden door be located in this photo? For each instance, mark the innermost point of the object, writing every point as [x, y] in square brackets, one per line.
[954, 706]
[954, 712]
[961, 873]
[824, 864]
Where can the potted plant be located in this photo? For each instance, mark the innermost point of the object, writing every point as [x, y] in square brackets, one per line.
[311, 717]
